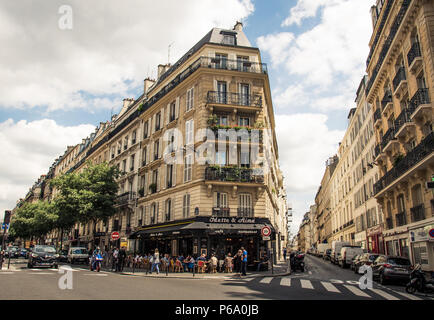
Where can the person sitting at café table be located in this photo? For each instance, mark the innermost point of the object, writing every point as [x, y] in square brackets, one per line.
[185, 263]
[191, 264]
[264, 261]
[213, 263]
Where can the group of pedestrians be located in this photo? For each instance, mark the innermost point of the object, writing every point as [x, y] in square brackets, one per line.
[118, 258]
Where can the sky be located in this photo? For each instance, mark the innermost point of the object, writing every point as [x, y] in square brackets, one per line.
[60, 80]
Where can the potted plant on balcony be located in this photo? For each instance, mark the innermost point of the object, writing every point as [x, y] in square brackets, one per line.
[153, 187]
[142, 192]
[397, 159]
[212, 120]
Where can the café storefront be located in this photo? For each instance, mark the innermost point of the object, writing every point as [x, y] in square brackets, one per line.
[208, 235]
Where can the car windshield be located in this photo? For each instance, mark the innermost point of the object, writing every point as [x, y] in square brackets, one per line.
[13, 249]
[44, 250]
[372, 257]
[399, 261]
[79, 251]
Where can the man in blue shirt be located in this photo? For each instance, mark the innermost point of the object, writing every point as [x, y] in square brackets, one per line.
[243, 262]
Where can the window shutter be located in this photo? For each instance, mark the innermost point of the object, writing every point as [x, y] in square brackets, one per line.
[160, 147]
[174, 175]
[192, 98]
[157, 212]
[145, 185]
[151, 151]
[164, 174]
[224, 200]
[192, 132]
[158, 180]
[168, 114]
[177, 108]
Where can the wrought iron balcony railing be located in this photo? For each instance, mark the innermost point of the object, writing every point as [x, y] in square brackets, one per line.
[386, 99]
[233, 98]
[420, 97]
[377, 115]
[413, 53]
[388, 136]
[245, 212]
[417, 213]
[401, 219]
[125, 198]
[420, 152]
[400, 76]
[234, 65]
[377, 150]
[220, 212]
[404, 117]
[232, 174]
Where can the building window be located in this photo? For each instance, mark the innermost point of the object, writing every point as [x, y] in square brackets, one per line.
[157, 121]
[190, 99]
[172, 111]
[222, 120]
[145, 150]
[221, 92]
[221, 61]
[244, 121]
[188, 161]
[124, 165]
[119, 146]
[133, 137]
[156, 149]
[145, 129]
[220, 199]
[169, 175]
[186, 206]
[243, 63]
[126, 143]
[244, 94]
[132, 163]
[154, 213]
[189, 132]
[229, 39]
[245, 205]
[244, 157]
[168, 210]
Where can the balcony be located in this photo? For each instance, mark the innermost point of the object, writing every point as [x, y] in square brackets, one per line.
[413, 157]
[389, 223]
[125, 198]
[387, 103]
[245, 212]
[399, 82]
[220, 212]
[417, 213]
[232, 174]
[414, 57]
[377, 118]
[401, 219]
[377, 151]
[232, 98]
[403, 124]
[233, 65]
[421, 104]
[388, 137]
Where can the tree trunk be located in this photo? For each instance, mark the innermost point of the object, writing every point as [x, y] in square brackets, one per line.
[61, 238]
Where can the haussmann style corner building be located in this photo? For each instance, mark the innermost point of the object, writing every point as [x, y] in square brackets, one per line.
[185, 206]
[401, 88]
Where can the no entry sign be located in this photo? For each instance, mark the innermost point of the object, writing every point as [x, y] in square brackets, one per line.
[265, 231]
[115, 235]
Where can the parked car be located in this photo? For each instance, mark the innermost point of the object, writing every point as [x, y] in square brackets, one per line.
[347, 254]
[12, 252]
[24, 253]
[327, 253]
[63, 255]
[43, 256]
[391, 268]
[322, 247]
[365, 259]
[78, 254]
[336, 250]
[355, 261]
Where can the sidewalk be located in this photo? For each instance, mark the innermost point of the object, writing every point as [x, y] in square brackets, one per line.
[279, 270]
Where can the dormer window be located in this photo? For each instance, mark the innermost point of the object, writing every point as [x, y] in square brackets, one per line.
[229, 38]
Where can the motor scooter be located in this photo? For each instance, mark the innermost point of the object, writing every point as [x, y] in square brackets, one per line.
[297, 262]
[418, 282]
[95, 263]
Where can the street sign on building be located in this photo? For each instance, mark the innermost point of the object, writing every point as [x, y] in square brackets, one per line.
[265, 231]
[115, 236]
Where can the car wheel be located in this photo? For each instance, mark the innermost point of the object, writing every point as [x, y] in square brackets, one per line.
[410, 289]
[29, 266]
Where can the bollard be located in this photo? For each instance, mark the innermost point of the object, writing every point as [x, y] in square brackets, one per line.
[167, 270]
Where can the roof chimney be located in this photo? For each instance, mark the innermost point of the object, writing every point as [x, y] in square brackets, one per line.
[128, 102]
[148, 84]
[238, 26]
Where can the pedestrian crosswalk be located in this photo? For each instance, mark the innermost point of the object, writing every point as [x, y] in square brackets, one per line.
[343, 288]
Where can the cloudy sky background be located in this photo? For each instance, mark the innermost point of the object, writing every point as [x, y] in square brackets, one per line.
[57, 85]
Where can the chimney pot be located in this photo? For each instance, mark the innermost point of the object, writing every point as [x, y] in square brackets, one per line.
[238, 26]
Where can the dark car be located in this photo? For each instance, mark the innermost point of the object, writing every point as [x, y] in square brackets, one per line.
[391, 268]
[43, 256]
[327, 253]
[12, 252]
[365, 259]
[24, 253]
[63, 256]
[354, 261]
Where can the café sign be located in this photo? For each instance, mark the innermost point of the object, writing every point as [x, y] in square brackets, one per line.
[234, 220]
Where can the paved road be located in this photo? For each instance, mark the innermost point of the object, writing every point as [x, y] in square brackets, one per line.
[321, 280]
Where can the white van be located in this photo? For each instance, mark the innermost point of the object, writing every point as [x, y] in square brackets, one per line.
[78, 254]
[336, 250]
[347, 255]
[322, 247]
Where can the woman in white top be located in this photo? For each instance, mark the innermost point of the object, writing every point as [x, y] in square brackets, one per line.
[156, 261]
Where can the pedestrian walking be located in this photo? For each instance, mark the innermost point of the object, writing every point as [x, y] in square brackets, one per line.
[122, 257]
[284, 254]
[115, 259]
[244, 261]
[237, 261]
[156, 262]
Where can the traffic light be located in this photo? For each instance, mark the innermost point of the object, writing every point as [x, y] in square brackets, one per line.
[7, 218]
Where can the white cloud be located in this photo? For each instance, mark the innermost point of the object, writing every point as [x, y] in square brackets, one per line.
[29, 149]
[305, 143]
[110, 49]
[324, 64]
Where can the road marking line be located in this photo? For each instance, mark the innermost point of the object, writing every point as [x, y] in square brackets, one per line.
[285, 282]
[248, 279]
[306, 284]
[408, 296]
[41, 273]
[357, 291]
[384, 294]
[95, 274]
[330, 287]
[266, 280]
[7, 272]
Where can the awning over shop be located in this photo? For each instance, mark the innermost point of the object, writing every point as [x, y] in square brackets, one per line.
[208, 225]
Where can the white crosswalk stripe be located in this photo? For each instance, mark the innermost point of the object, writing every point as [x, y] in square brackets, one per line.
[285, 282]
[384, 294]
[266, 280]
[408, 296]
[357, 291]
[329, 287]
[306, 284]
